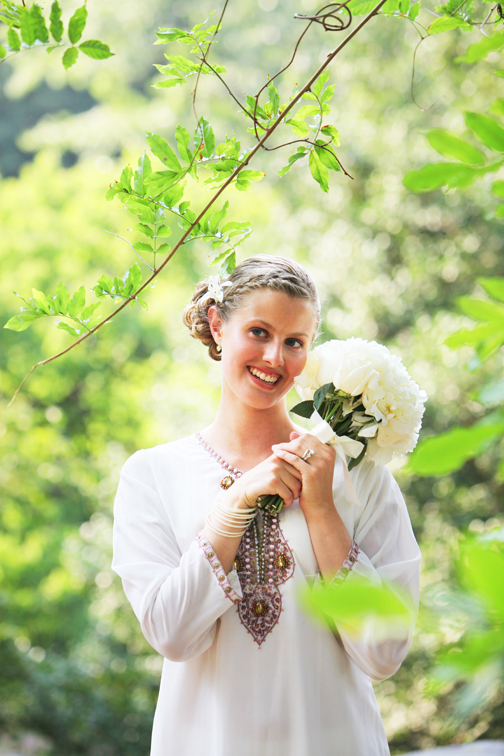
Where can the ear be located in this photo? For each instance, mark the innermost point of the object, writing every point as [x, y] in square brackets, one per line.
[215, 323]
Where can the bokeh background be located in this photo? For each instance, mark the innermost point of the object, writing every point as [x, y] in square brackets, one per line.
[76, 676]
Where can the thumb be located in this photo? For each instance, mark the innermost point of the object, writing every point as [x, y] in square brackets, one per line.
[294, 435]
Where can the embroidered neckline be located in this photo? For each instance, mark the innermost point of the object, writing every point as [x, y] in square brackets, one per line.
[263, 562]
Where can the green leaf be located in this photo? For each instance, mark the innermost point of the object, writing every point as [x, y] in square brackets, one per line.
[274, 99]
[142, 247]
[414, 11]
[56, 25]
[93, 48]
[163, 231]
[183, 138]
[3, 52]
[126, 176]
[493, 286]
[319, 171]
[88, 312]
[27, 26]
[480, 49]
[492, 393]
[132, 279]
[497, 106]
[251, 175]
[447, 452]
[303, 409]
[299, 128]
[144, 229]
[331, 132]
[69, 57]
[484, 573]
[472, 336]
[327, 157]
[77, 302]
[487, 130]
[306, 111]
[175, 194]
[41, 301]
[159, 181]
[500, 74]
[76, 24]
[70, 329]
[320, 395]
[497, 188]
[163, 249]
[300, 153]
[319, 84]
[162, 150]
[228, 265]
[451, 146]
[61, 299]
[14, 43]
[143, 170]
[479, 309]
[204, 138]
[23, 321]
[39, 25]
[327, 94]
[436, 175]
[447, 23]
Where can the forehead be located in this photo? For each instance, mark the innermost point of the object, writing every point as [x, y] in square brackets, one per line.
[278, 309]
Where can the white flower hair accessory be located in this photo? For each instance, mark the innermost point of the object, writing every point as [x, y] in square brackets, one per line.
[216, 287]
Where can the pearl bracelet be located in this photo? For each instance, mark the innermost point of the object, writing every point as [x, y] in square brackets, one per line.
[229, 517]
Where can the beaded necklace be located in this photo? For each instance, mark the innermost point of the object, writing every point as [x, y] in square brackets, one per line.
[263, 562]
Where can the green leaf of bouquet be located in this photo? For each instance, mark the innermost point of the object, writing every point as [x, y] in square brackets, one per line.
[480, 49]
[69, 57]
[488, 131]
[69, 329]
[320, 395]
[319, 171]
[493, 286]
[303, 409]
[183, 138]
[450, 146]
[39, 24]
[448, 451]
[77, 302]
[23, 321]
[447, 23]
[76, 24]
[56, 25]
[479, 309]
[13, 40]
[27, 27]
[162, 150]
[93, 48]
[204, 138]
[331, 131]
[143, 170]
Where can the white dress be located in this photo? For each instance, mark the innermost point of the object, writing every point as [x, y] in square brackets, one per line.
[303, 691]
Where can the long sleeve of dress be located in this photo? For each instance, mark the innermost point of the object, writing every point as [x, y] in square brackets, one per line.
[389, 555]
[177, 597]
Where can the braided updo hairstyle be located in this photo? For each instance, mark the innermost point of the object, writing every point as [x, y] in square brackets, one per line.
[260, 272]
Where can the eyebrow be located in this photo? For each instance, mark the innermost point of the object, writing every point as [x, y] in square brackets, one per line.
[268, 325]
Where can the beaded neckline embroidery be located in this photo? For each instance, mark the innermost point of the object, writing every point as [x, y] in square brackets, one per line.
[263, 562]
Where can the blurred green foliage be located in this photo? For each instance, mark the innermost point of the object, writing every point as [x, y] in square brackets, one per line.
[389, 265]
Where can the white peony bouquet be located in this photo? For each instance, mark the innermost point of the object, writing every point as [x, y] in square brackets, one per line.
[362, 401]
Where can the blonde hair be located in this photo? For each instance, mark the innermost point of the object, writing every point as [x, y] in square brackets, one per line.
[260, 272]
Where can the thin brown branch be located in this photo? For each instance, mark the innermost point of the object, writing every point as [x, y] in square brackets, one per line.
[205, 55]
[217, 194]
[132, 247]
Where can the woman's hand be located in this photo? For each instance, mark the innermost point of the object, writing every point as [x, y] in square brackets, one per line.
[316, 473]
[272, 476]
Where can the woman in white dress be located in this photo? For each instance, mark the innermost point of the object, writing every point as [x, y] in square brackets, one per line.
[214, 582]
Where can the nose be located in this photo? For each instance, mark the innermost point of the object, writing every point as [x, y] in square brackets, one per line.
[273, 353]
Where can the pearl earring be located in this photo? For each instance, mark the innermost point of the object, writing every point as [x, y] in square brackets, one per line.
[218, 349]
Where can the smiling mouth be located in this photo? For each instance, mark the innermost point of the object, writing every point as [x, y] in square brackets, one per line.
[268, 379]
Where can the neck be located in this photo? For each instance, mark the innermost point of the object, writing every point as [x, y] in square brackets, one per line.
[244, 435]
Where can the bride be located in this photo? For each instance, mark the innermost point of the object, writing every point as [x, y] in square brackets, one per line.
[213, 580]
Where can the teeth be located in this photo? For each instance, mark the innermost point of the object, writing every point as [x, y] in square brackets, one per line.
[263, 376]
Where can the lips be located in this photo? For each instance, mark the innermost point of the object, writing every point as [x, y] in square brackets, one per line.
[270, 379]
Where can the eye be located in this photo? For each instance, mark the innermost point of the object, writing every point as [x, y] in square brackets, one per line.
[296, 343]
[256, 331]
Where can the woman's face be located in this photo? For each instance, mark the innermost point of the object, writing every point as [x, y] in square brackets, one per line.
[264, 345]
